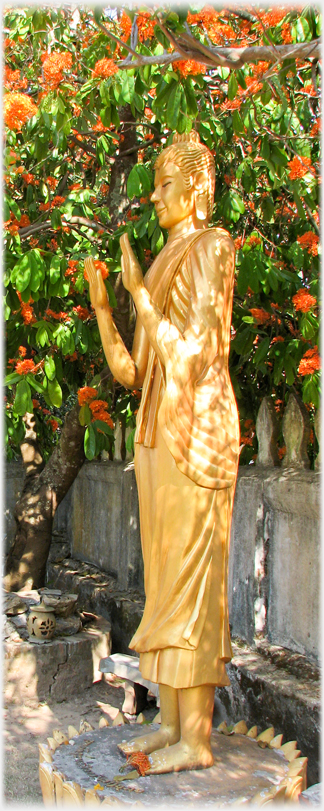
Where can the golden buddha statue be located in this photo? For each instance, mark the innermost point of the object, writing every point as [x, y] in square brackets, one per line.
[186, 450]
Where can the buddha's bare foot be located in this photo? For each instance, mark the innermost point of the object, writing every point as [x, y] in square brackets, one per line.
[180, 756]
[162, 738]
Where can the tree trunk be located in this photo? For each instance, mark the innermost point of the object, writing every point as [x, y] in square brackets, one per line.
[44, 489]
[118, 203]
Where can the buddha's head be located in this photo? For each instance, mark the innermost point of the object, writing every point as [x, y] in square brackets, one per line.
[192, 164]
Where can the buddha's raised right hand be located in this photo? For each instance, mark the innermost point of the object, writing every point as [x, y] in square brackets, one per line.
[97, 289]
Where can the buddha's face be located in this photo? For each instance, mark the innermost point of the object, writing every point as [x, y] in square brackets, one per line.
[173, 201]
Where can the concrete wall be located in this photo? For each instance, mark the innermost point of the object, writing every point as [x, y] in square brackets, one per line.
[274, 567]
[275, 544]
[104, 524]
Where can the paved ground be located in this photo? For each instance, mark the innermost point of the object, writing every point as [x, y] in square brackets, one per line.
[25, 726]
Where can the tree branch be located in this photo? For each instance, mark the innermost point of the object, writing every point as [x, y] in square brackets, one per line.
[225, 57]
[27, 230]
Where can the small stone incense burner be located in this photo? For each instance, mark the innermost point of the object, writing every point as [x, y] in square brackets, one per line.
[41, 622]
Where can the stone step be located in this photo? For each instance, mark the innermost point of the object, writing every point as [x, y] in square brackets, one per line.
[136, 687]
[127, 667]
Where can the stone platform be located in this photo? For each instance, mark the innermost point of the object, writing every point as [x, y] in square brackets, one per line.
[88, 768]
[268, 684]
[58, 668]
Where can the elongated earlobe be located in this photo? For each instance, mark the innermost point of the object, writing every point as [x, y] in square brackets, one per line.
[201, 204]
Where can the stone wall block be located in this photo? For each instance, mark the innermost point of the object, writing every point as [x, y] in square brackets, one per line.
[267, 432]
[317, 426]
[296, 432]
[246, 535]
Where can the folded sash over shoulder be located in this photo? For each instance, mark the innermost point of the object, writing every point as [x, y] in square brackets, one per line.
[200, 433]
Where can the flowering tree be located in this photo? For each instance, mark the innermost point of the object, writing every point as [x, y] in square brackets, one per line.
[90, 97]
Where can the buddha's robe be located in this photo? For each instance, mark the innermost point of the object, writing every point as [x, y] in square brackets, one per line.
[186, 457]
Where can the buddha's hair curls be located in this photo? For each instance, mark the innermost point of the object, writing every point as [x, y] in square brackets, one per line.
[187, 152]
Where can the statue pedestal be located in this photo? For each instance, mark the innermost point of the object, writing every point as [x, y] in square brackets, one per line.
[84, 769]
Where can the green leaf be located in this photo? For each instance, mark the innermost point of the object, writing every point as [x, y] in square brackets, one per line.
[100, 153]
[278, 365]
[191, 98]
[157, 240]
[103, 427]
[111, 294]
[238, 125]
[97, 13]
[84, 339]
[241, 78]
[237, 202]
[302, 29]
[261, 351]
[266, 94]
[49, 367]
[21, 274]
[13, 377]
[22, 401]
[55, 269]
[85, 415]
[161, 98]
[60, 104]
[127, 91]
[133, 184]
[296, 255]
[55, 393]
[265, 148]
[173, 106]
[306, 327]
[42, 336]
[300, 207]
[232, 205]
[311, 392]
[130, 441]
[243, 341]
[232, 86]
[38, 269]
[105, 115]
[145, 178]
[278, 156]
[139, 181]
[152, 224]
[34, 383]
[56, 219]
[90, 442]
[6, 211]
[267, 208]
[290, 370]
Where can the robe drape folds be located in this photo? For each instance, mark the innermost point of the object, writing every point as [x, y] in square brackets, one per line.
[186, 456]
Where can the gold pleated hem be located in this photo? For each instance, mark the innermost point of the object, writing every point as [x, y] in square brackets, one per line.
[177, 667]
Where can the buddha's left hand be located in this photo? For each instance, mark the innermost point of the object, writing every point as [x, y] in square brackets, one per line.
[131, 271]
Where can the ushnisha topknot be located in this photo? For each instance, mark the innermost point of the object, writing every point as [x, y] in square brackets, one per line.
[185, 137]
[192, 157]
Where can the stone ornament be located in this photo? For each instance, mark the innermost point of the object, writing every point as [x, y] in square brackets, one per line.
[58, 790]
[267, 431]
[296, 431]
